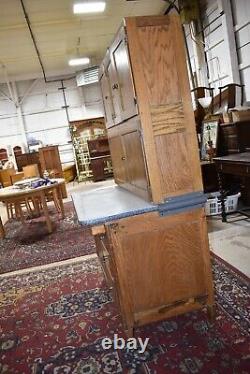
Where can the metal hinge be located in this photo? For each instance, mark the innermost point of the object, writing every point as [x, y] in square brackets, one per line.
[135, 100]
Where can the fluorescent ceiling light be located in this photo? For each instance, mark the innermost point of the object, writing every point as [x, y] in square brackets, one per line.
[90, 7]
[79, 61]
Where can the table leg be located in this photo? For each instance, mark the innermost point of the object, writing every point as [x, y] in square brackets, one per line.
[60, 199]
[56, 201]
[2, 231]
[222, 197]
[46, 212]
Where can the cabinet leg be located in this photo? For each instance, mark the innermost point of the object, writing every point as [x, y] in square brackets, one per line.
[211, 313]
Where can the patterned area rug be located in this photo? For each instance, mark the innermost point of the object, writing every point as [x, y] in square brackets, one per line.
[53, 321]
[30, 245]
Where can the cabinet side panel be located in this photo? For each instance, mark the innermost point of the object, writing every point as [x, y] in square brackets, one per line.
[164, 261]
[165, 107]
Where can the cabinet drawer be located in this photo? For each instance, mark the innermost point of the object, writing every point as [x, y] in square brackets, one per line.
[236, 169]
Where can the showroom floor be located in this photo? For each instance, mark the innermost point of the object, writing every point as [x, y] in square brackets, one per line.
[230, 241]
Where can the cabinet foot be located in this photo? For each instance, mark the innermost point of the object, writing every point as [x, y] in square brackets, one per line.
[211, 313]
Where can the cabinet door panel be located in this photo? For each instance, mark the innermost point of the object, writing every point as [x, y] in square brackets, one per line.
[107, 100]
[124, 88]
[135, 163]
[118, 159]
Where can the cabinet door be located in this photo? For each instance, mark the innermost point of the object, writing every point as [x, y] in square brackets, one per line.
[107, 100]
[118, 159]
[112, 78]
[134, 159]
[123, 86]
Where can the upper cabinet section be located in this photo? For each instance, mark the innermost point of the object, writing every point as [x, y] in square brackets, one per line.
[144, 78]
[116, 79]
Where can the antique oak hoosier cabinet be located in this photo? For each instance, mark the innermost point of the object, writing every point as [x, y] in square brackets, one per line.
[150, 229]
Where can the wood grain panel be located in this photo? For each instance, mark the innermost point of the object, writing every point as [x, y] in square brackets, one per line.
[176, 176]
[107, 100]
[125, 88]
[167, 119]
[135, 162]
[159, 67]
[118, 158]
[162, 260]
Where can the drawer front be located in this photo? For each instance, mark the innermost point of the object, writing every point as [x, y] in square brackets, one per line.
[237, 169]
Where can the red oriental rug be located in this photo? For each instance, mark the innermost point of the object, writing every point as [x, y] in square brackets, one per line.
[30, 245]
[53, 321]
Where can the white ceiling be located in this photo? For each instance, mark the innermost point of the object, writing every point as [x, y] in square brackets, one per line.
[57, 31]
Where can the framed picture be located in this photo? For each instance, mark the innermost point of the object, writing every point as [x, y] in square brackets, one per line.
[209, 139]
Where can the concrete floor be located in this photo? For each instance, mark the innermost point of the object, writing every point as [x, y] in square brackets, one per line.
[230, 241]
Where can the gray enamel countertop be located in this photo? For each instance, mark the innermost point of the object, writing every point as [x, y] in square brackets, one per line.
[107, 204]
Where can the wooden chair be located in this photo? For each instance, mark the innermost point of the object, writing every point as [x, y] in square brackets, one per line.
[17, 177]
[31, 171]
[5, 176]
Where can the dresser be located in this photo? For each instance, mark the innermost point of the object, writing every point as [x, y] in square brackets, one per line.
[234, 137]
[150, 229]
[25, 159]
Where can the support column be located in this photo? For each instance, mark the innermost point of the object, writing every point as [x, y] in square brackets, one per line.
[20, 116]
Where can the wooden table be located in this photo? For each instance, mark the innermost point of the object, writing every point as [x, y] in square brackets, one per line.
[38, 196]
[236, 164]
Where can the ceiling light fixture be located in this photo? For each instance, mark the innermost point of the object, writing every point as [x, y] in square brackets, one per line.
[79, 61]
[90, 7]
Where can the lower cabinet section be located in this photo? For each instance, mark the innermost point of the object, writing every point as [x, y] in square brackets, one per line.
[158, 266]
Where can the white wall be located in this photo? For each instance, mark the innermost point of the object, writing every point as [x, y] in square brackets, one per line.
[226, 28]
[241, 17]
[44, 117]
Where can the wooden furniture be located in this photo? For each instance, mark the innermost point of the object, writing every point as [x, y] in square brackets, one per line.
[81, 131]
[150, 231]
[17, 150]
[5, 176]
[209, 176]
[31, 171]
[3, 154]
[151, 239]
[16, 197]
[69, 172]
[155, 257]
[50, 161]
[25, 159]
[17, 177]
[99, 157]
[234, 137]
[148, 109]
[237, 165]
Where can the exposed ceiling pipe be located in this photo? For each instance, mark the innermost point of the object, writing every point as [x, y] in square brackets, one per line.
[36, 47]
